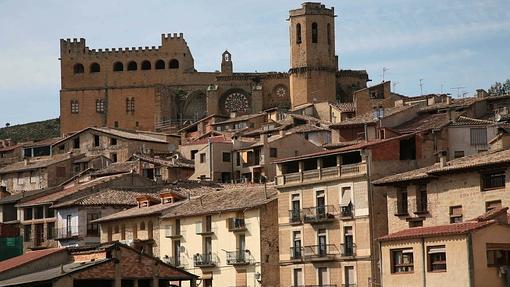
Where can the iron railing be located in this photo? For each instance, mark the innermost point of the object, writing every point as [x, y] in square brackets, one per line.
[67, 232]
[320, 251]
[205, 260]
[348, 249]
[296, 253]
[236, 224]
[347, 211]
[295, 216]
[319, 214]
[239, 257]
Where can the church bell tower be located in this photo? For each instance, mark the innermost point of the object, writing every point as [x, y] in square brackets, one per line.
[312, 54]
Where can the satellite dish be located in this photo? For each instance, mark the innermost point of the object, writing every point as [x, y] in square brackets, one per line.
[497, 118]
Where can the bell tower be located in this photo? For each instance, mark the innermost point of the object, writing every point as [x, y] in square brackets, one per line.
[312, 54]
[226, 63]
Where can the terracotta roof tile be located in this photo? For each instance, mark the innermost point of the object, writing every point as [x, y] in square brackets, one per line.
[115, 168]
[213, 139]
[345, 107]
[172, 161]
[436, 231]
[467, 121]
[26, 258]
[34, 163]
[424, 122]
[369, 118]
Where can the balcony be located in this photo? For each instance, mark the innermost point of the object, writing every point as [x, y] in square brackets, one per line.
[348, 250]
[67, 232]
[347, 211]
[204, 229]
[319, 214]
[175, 261]
[321, 174]
[295, 217]
[239, 257]
[172, 233]
[205, 260]
[320, 252]
[296, 253]
[236, 224]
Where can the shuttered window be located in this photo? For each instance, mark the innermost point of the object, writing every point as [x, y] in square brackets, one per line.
[478, 136]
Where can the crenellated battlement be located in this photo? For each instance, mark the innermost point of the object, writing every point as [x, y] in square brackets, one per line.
[77, 47]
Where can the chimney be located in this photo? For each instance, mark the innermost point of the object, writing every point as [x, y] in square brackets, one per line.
[448, 100]
[263, 138]
[443, 158]
[26, 160]
[481, 94]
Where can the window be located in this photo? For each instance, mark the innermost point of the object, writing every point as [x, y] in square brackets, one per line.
[33, 176]
[39, 212]
[415, 223]
[402, 260]
[493, 180]
[27, 233]
[348, 245]
[408, 149]
[202, 157]
[123, 232]
[100, 105]
[50, 233]
[458, 153]
[142, 225]
[92, 228]
[132, 66]
[174, 64]
[113, 157]
[116, 124]
[160, 65]
[295, 214]
[27, 213]
[436, 258]
[329, 33]
[50, 212]
[96, 140]
[456, 214]
[298, 277]
[490, 205]
[421, 199]
[498, 254]
[118, 66]
[130, 104]
[113, 141]
[193, 153]
[322, 276]
[273, 152]
[298, 33]
[78, 68]
[116, 229]
[478, 136]
[402, 203]
[226, 156]
[296, 245]
[314, 33]
[75, 107]
[76, 142]
[238, 158]
[146, 65]
[95, 68]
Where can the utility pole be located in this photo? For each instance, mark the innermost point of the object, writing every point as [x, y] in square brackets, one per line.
[421, 87]
[458, 90]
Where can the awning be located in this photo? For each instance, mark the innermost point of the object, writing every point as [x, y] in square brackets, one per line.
[437, 250]
[346, 197]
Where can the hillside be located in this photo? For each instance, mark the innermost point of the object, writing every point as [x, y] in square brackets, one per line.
[32, 131]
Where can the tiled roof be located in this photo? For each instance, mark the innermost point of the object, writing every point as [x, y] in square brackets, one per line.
[130, 135]
[436, 231]
[34, 163]
[110, 197]
[152, 210]
[468, 162]
[46, 142]
[213, 139]
[307, 128]
[369, 117]
[67, 191]
[201, 120]
[239, 119]
[455, 103]
[491, 214]
[9, 148]
[26, 258]
[466, 121]
[424, 122]
[238, 197]
[345, 107]
[115, 168]
[174, 161]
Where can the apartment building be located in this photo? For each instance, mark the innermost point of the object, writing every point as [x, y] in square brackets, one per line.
[469, 136]
[227, 237]
[329, 214]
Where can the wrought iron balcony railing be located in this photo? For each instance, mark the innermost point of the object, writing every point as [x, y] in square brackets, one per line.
[236, 224]
[205, 260]
[321, 251]
[239, 257]
[296, 253]
[319, 214]
[348, 249]
[295, 216]
[347, 211]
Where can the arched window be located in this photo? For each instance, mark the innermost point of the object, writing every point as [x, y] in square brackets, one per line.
[100, 105]
[142, 225]
[160, 65]
[132, 66]
[146, 65]
[95, 68]
[314, 32]
[75, 106]
[298, 33]
[329, 34]
[118, 66]
[130, 104]
[174, 64]
[78, 68]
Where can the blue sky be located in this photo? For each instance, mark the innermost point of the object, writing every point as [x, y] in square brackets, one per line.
[454, 43]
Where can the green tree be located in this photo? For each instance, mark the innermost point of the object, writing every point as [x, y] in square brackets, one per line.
[498, 89]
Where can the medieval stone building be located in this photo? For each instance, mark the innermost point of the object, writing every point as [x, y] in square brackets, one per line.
[148, 88]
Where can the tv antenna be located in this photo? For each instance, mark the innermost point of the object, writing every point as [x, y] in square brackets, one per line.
[421, 87]
[458, 90]
[384, 69]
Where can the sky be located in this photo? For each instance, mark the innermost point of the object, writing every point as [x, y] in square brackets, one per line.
[447, 44]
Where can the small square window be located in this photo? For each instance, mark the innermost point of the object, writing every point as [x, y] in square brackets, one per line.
[202, 157]
[456, 214]
[490, 205]
[493, 180]
[436, 258]
[226, 156]
[402, 260]
[273, 152]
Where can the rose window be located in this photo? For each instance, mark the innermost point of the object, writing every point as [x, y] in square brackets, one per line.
[281, 92]
[236, 102]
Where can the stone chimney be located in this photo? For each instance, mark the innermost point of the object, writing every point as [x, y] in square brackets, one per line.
[481, 94]
[443, 159]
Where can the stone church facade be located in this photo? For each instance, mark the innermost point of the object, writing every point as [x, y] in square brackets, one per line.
[148, 88]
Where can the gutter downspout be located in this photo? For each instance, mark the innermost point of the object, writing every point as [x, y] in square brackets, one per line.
[470, 260]
[423, 254]
[371, 211]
